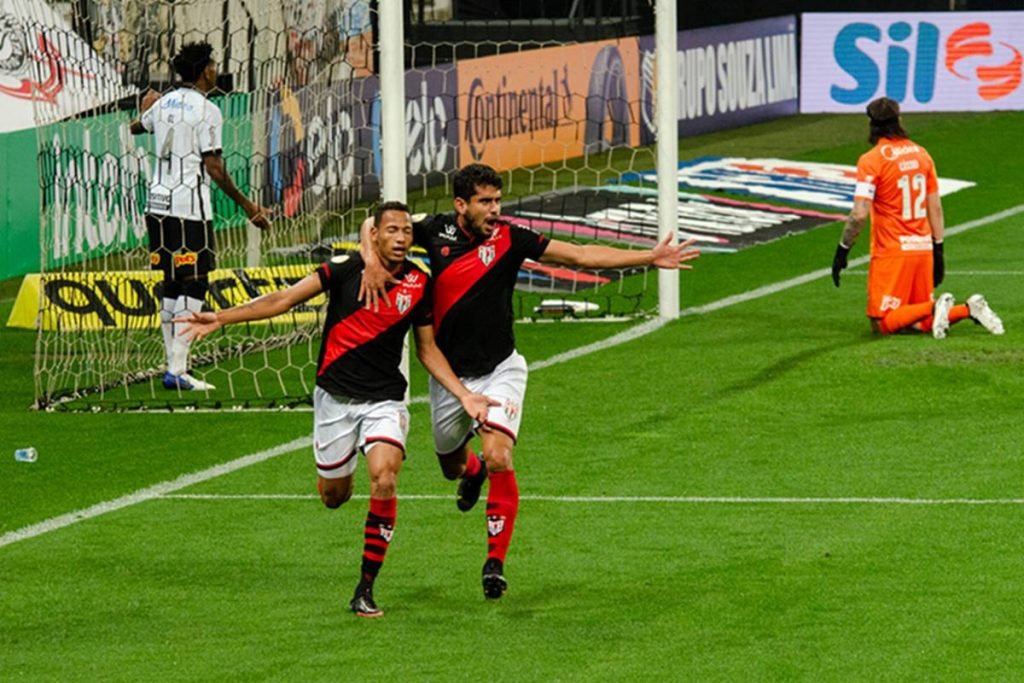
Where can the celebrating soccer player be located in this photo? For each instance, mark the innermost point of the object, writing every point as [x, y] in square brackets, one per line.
[358, 400]
[475, 258]
[179, 214]
[897, 183]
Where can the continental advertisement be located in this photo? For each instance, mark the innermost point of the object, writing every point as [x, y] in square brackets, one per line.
[76, 302]
[547, 105]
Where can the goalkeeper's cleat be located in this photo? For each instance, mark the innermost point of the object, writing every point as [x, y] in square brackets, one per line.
[469, 488]
[362, 603]
[983, 315]
[186, 382]
[494, 582]
[940, 315]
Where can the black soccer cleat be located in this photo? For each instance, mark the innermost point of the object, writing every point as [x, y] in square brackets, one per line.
[469, 488]
[363, 605]
[495, 584]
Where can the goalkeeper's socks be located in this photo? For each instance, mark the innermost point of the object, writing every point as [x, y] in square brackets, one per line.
[905, 316]
[380, 525]
[502, 507]
[958, 313]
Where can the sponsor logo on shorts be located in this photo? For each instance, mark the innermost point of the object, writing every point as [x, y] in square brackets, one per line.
[187, 258]
[511, 409]
[486, 254]
[154, 259]
[403, 302]
[890, 303]
[495, 524]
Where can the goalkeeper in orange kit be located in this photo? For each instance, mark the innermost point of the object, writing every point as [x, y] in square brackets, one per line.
[898, 186]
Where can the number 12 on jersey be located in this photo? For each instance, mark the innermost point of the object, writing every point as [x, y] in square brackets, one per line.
[914, 189]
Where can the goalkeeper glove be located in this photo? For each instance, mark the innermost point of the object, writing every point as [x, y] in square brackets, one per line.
[938, 264]
[839, 262]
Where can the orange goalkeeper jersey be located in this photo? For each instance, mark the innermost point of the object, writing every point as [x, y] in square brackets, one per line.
[896, 176]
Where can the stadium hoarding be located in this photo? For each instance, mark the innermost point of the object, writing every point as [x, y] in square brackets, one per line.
[729, 76]
[548, 105]
[90, 301]
[926, 61]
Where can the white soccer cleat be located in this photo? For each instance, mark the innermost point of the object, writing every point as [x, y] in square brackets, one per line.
[940, 315]
[983, 315]
[186, 382]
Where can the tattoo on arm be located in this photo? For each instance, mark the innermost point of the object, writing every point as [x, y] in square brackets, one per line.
[852, 230]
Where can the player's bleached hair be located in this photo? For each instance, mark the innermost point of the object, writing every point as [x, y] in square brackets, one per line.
[470, 177]
[191, 60]
[384, 207]
[884, 117]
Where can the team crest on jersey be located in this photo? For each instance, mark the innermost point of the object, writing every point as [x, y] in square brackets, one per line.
[486, 254]
[386, 532]
[403, 302]
[511, 409]
[495, 524]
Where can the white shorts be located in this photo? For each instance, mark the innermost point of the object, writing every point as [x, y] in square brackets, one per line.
[453, 427]
[341, 427]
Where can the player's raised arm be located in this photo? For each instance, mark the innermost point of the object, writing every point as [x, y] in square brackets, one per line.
[475, 405]
[269, 305]
[142, 125]
[664, 255]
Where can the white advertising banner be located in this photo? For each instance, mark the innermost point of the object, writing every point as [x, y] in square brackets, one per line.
[926, 61]
[47, 72]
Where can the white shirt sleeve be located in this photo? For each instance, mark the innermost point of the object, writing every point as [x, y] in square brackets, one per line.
[149, 116]
[210, 130]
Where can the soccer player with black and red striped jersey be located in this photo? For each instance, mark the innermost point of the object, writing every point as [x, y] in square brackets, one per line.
[475, 258]
[358, 399]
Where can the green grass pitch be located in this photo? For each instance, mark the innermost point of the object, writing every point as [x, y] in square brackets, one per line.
[761, 492]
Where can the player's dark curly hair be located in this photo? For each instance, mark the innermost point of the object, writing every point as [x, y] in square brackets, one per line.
[384, 207]
[191, 60]
[884, 115]
[468, 178]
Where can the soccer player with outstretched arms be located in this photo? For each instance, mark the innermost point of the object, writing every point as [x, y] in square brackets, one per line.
[475, 257]
[358, 400]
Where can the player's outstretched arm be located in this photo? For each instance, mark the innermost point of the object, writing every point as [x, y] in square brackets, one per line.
[373, 287]
[214, 164]
[199, 325]
[475, 405]
[664, 255]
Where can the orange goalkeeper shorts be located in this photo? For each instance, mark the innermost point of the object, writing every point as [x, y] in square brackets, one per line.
[895, 281]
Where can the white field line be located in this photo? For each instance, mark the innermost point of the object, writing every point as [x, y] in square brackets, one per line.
[743, 500]
[155, 491]
[631, 334]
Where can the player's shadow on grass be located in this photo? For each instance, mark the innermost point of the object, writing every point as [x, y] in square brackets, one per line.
[785, 365]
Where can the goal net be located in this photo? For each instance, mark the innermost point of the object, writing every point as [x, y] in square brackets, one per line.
[561, 107]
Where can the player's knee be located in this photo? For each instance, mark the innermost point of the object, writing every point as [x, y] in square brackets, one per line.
[498, 459]
[451, 466]
[384, 484]
[334, 494]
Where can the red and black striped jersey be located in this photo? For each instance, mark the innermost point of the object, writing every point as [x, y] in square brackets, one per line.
[362, 349]
[473, 280]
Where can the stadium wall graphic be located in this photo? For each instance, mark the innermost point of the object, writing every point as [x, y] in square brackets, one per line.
[795, 182]
[729, 76]
[75, 302]
[928, 61]
[624, 213]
